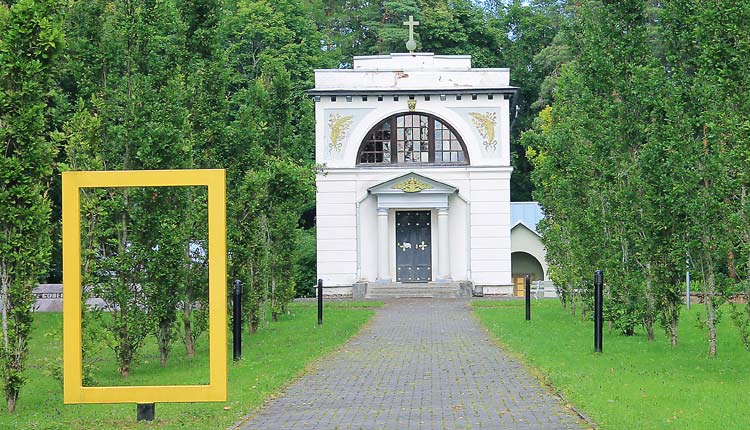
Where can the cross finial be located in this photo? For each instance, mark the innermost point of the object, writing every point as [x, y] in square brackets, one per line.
[411, 45]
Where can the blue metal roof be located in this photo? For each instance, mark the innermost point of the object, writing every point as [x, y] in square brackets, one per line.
[529, 213]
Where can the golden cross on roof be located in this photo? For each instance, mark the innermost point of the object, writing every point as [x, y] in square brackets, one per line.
[411, 45]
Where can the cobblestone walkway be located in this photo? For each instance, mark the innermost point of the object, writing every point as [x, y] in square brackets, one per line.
[420, 364]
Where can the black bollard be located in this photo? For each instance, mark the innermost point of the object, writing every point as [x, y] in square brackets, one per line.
[145, 411]
[598, 303]
[237, 320]
[528, 298]
[320, 301]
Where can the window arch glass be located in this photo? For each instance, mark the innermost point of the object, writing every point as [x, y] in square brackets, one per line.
[412, 138]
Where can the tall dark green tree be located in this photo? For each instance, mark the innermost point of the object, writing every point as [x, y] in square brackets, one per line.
[663, 163]
[29, 46]
[206, 80]
[706, 49]
[272, 49]
[527, 29]
[128, 70]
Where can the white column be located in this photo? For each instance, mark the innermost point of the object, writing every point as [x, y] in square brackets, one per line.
[444, 270]
[383, 269]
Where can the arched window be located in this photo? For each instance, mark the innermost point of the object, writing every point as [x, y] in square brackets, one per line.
[412, 138]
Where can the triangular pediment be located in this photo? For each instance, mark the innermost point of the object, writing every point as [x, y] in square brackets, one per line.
[412, 183]
[521, 224]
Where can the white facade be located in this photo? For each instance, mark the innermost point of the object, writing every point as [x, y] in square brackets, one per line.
[469, 204]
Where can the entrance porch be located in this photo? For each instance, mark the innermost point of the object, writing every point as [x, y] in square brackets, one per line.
[412, 229]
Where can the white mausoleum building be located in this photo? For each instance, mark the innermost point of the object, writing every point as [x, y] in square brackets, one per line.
[414, 185]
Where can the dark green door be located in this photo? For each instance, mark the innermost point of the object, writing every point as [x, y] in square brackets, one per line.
[413, 246]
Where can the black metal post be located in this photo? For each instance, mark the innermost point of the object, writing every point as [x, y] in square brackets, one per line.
[528, 298]
[237, 320]
[145, 411]
[598, 303]
[320, 301]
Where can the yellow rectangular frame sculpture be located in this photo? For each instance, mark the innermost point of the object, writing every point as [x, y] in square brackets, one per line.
[74, 391]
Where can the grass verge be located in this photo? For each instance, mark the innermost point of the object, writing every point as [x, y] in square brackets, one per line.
[633, 384]
[272, 358]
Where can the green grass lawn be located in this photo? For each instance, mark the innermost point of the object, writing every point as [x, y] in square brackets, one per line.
[633, 384]
[270, 360]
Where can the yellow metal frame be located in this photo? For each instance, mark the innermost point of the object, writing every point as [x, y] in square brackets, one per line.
[74, 391]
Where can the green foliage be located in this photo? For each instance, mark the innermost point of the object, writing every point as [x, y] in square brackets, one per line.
[266, 213]
[634, 383]
[741, 320]
[131, 91]
[636, 164]
[305, 257]
[624, 308]
[275, 356]
[271, 51]
[527, 29]
[635, 168]
[31, 40]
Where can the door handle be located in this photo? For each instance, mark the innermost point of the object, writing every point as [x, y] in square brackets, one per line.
[406, 245]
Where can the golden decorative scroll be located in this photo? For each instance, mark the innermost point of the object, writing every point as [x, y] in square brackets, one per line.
[339, 126]
[411, 185]
[485, 124]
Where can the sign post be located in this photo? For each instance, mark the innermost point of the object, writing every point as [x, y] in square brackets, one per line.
[145, 411]
[528, 297]
[598, 299]
[320, 301]
[237, 320]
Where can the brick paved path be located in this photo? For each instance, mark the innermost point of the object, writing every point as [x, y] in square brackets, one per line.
[420, 364]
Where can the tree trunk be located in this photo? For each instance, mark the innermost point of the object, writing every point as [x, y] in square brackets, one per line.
[11, 394]
[187, 307]
[673, 331]
[648, 325]
[711, 313]
[648, 317]
[125, 357]
[164, 337]
[744, 333]
[573, 304]
[12, 398]
[163, 354]
[187, 325]
[263, 305]
[124, 365]
[124, 370]
[5, 284]
[252, 321]
[274, 311]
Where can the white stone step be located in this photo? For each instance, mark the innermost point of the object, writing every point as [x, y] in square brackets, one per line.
[414, 290]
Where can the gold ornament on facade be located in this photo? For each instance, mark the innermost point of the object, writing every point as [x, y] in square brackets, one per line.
[339, 126]
[412, 185]
[485, 124]
[412, 103]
